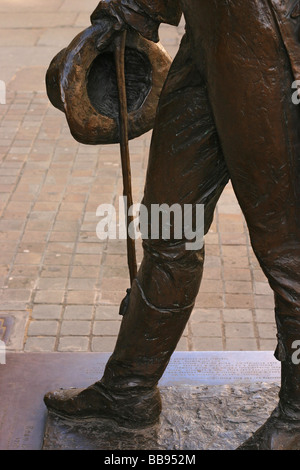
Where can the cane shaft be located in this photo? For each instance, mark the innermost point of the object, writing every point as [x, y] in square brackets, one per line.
[120, 43]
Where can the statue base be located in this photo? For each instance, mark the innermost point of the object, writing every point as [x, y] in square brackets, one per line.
[211, 400]
[218, 417]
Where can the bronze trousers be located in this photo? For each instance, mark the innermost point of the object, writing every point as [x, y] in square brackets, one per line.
[226, 111]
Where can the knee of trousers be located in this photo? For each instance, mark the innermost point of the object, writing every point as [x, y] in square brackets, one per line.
[170, 275]
[173, 255]
[288, 333]
[281, 265]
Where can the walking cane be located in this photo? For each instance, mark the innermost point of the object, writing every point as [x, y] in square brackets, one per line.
[120, 43]
[78, 94]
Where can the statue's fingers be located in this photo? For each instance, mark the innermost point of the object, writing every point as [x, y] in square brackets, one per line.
[104, 40]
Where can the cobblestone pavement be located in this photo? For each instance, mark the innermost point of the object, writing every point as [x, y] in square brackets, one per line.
[61, 286]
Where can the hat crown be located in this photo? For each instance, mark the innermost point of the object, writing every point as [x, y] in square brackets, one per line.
[81, 82]
[102, 86]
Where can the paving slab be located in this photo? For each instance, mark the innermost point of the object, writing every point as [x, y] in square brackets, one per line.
[36, 19]
[28, 78]
[13, 329]
[14, 5]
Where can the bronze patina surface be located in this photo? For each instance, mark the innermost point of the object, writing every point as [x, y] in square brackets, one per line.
[225, 112]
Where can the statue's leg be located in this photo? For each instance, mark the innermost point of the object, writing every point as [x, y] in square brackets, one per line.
[250, 86]
[186, 166]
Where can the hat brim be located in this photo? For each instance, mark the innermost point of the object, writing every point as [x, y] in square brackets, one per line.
[69, 88]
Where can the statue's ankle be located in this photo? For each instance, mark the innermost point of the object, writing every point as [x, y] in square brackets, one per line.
[127, 387]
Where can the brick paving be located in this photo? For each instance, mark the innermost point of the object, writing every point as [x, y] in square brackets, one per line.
[60, 285]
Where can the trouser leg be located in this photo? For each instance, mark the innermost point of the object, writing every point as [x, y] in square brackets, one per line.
[250, 87]
[186, 166]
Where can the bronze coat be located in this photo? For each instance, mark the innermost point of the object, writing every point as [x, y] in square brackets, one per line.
[145, 14]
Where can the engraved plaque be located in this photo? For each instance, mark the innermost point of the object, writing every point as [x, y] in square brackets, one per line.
[221, 367]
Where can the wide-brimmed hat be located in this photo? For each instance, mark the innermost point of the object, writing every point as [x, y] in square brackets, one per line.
[81, 82]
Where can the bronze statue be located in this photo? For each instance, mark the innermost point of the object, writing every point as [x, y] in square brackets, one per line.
[225, 112]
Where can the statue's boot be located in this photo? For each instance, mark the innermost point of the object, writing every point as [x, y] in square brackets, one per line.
[282, 430]
[128, 390]
[130, 409]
